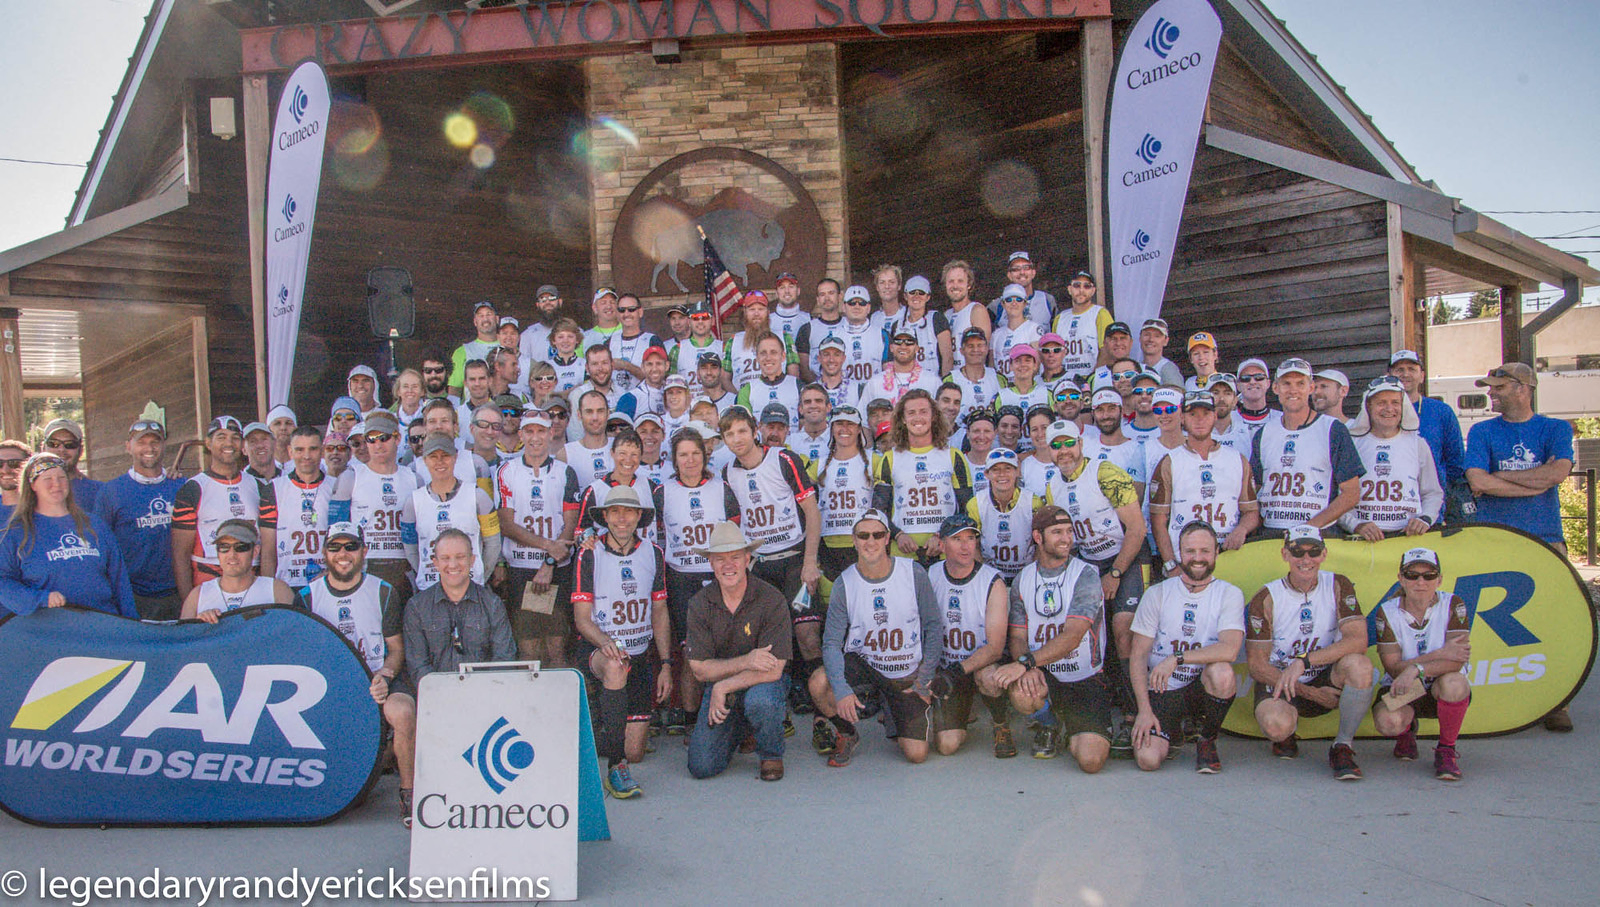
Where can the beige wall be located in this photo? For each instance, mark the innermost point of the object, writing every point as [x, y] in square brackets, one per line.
[1473, 347]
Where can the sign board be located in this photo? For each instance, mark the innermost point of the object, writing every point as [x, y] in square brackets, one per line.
[1533, 635]
[264, 718]
[497, 787]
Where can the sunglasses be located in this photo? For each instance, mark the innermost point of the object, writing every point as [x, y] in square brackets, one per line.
[1252, 379]
[1081, 285]
[336, 547]
[896, 343]
[1164, 409]
[1063, 443]
[1424, 575]
[511, 413]
[1124, 376]
[1013, 299]
[699, 317]
[358, 441]
[415, 440]
[149, 425]
[1306, 550]
[1069, 395]
[12, 462]
[434, 370]
[858, 302]
[378, 437]
[1052, 348]
[916, 292]
[545, 378]
[480, 423]
[624, 310]
[1144, 391]
[336, 448]
[235, 548]
[53, 444]
[879, 535]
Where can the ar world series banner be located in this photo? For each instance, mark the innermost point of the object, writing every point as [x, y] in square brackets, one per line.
[1533, 634]
[264, 718]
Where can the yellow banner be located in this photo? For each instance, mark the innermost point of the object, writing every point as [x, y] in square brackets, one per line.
[1533, 634]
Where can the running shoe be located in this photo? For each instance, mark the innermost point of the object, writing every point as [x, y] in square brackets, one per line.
[1342, 759]
[1287, 748]
[788, 726]
[800, 700]
[405, 806]
[619, 782]
[1405, 745]
[1122, 741]
[843, 749]
[1206, 760]
[676, 722]
[1559, 720]
[1445, 766]
[1045, 742]
[1004, 746]
[824, 738]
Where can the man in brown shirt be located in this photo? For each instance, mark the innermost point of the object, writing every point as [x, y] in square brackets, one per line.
[739, 641]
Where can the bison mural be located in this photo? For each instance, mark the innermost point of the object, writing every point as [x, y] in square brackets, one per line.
[742, 238]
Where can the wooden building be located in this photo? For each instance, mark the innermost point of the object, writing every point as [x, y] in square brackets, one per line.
[966, 133]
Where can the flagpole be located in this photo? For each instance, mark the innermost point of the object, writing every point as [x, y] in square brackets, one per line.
[716, 316]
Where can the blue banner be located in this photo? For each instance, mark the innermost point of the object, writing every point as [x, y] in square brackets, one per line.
[264, 718]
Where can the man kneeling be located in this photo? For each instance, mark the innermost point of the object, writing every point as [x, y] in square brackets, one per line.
[739, 636]
[1188, 627]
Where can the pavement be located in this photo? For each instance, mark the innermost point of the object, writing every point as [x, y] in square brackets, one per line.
[1522, 828]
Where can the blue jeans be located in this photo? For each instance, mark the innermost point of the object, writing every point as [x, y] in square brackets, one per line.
[761, 714]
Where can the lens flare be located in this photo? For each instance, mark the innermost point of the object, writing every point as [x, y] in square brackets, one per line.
[622, 132]
[361, 171]
[460, 130]
[481, 156]
[1009, 188]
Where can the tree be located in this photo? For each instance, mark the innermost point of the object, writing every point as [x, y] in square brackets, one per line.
[1484, 304]
[1440, 313]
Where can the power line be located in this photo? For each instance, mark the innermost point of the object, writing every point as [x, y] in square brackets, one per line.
[1572, 236]
[19, 160]
[1540, 212]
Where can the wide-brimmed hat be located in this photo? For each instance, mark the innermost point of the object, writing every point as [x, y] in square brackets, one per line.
[726, 538]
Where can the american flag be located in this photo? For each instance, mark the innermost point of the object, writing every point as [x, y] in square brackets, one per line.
[722, 294]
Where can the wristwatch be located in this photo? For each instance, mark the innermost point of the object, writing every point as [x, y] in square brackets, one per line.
[1026, 660]
[1180, 659]
[1116, 573]
[1170, 566]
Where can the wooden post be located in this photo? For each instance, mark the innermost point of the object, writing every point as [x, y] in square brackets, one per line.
[1416, 279]
[257, 144]
[1402, 309]
[1095, 72]
[11, 421]
[1511, 349]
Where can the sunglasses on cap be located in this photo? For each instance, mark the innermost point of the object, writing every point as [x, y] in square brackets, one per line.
[1164, 409]
[1307, 550]
[235, 547]
[1423, 575]
[336, 547]
[144, 426]
[1063, 443]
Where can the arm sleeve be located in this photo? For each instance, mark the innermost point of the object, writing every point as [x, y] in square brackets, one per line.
[834, 628]
[1477, 451]
[932, 625]
[1255, 458]
[1259, 623]
[1347, 463]
[795, 473]
[267, 514]
[961, 476]
[186, 506]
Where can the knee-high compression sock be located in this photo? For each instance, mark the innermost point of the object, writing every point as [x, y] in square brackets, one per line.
[613, 724]
[1213, 711]
[999, 708]
[1044, 716]
[1353, 705]
[1451, 714]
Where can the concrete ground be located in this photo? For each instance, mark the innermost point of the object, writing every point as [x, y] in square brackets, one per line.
[1522, 828]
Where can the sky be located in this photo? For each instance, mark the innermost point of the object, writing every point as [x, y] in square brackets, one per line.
[1497, 102]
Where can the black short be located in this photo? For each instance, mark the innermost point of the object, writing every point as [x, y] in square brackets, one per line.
[1129, 589]
[953, 712]
[908, 714]
[783, 572]
[1084, 706]
[834, 561]
[526, 624]
[1305, 707]
[401, 683]
[680, 588]
[1173, 706]
[641, 685]
[396, 573]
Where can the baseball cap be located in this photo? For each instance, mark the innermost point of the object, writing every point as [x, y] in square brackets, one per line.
[1199, 398]
[1105, 395]
[254, 427]
[700, 308]
[845, 413]
[709, 359]
[1202, 338]
[675, 380]
[1400, 356]
[1304, 533]
[1062, 428]
[345, 529]
[281, 412]
[482, 304]
[971, 333]
[1083, 274]
[656, 351]
[602, 293]
[881, 429]
[1155, 324]
[619, 418]
[1147, 374]
[774, 412]
[1362, 423]
[832, 342]
[642, 418]
[677, 308]
[786, 276]
[508, 401]
[69, 425]
[239, 530]
[755, 297]
[145, 425]
[903, 331]
[220, 423]
[1050, 515]
[1221, 378]
[1023, 349]
[1419, 556]
[548, 289]
[957, 523]
[1518, 372]
[348, 403]
[438, 441]
[557, 402]
[507, 319]
[872, 513]
[379, 420]
[536, 417]
[857, 291]
[1004, 456]
[1014, 291]
[1019, 256]
[1257, 363]
[917, 284]
[1052, 337]
[1118, 327]
[1167, 395]
[1294, 366]
[1334, 375]
[367, 369]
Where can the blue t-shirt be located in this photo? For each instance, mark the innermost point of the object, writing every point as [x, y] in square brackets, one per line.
[86, 568]
[140, 516]
[1439, 427]
[1501, 446]
[86, 493]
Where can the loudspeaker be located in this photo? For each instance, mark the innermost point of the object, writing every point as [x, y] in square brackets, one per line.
[390, 306]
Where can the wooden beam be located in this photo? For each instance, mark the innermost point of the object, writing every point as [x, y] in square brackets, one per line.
[1402, 313]
[1095, 71]
[1511, 348]
[202, 376]
[257, 145]
[1416, 280]
[11, 422]
[191, 138]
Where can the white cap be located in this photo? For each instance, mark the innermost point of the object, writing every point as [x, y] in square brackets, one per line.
[917, 284]
[1014, 289]
[1062, 428]
[1419, 556]
[254, 427]
[281, 412]
[1334, 375]
[857, 291]
[1014, 256]
[872, 513]
[535, 417]
[362, 370]
[1405, 356]
[1105, 395]
[1258, 363]
[1305, 532]
[1294, 366]
[1167, 395]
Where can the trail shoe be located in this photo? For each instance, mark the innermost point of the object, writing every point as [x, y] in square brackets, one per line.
[1045, 743]
[1342, 759]
[1405, 745]
[824, 738]
[405, 806]
[619, 782]
[1004, 746]
[1287, 748]
[1206, 759]
[1445, 767]
[844, 747]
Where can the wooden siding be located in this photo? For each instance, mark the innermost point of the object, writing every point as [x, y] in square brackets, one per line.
[160, 368]
[926, 121]
[1243, 101]
[1276, 264]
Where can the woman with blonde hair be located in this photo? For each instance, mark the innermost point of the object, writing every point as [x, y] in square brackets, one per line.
[54, 554]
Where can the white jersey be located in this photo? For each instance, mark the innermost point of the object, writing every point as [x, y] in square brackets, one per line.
[622, 592]
[812, 448]
[844, 492]
[1296, 471]
[1204, 489]
[568, 374]
[630, 350]
[1391, 491]
[535, 342]
[924, 488]
[1298, 623]
[357, 614]
[1096, 528]
[1236, 438]
[786, 322]
[212, 598]
[538, 498]
[376, 504]
[979, 394]
[684, 357]
[589, 464]
[1181, 620]
[885, 623]
[1005, 536]
[845, 393]
[1447, 614]
[1046, 603]
[302, 524]
[889, 384]
[214, 500]
[741, 361]
[769, 499]
[1036, 475]
[1129, 455]
[1037, 395]
[1081, 331]
[434, 517]
[686, 516]
[818, 330]
[1005, 337]
[865, 349]
[758, 393]
[965, 604]
[960, 321]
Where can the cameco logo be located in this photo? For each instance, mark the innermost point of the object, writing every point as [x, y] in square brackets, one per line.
[1162, 38]
[500, 755]
[1141, 241]
[289, 206]
[1149, 150]
[299, 103]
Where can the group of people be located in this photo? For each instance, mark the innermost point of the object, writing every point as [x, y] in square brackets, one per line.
[875, 507]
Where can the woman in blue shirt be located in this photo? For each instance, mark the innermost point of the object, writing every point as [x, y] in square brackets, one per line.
[54, 554]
